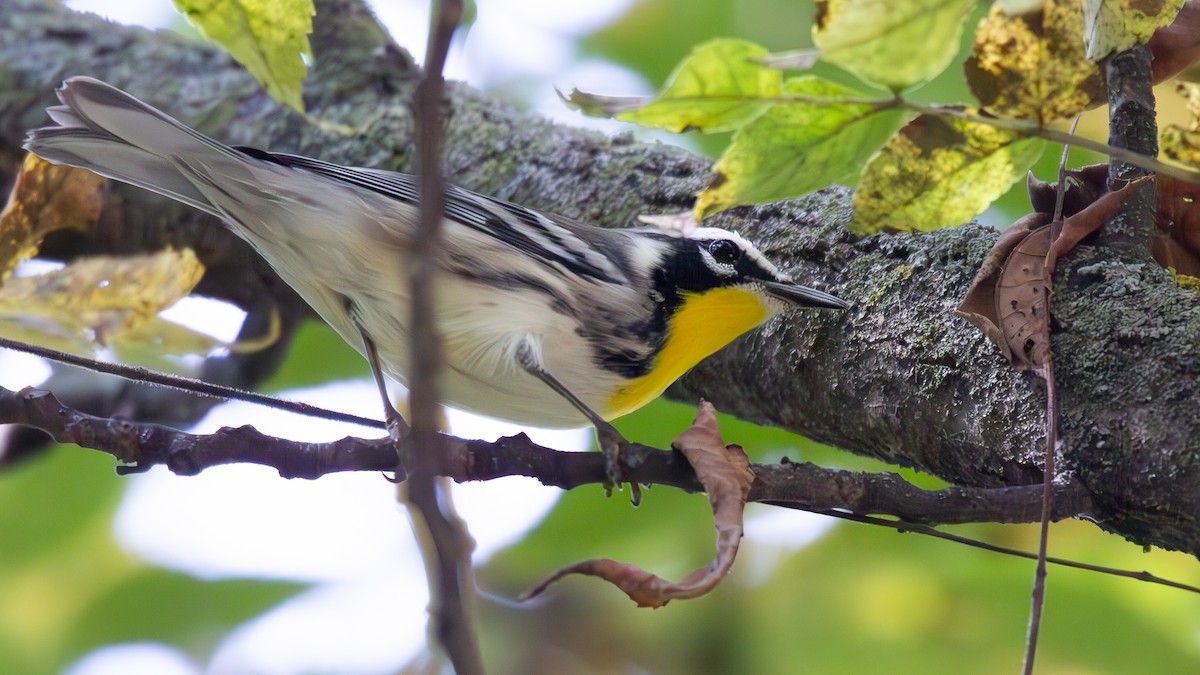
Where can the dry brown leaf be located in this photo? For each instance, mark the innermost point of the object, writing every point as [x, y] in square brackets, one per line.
[1021, 299]
[1084, 186]
[979, 306]
[1177, 46]
[46, 197]
[724, 470]
[1007, 299]
[1081, 224]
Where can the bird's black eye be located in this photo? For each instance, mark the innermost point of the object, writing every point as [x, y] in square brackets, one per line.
[724, 251]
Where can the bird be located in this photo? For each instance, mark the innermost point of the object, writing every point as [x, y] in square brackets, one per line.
[545, 321]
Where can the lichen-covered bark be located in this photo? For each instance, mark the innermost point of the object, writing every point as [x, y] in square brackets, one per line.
[897, 376]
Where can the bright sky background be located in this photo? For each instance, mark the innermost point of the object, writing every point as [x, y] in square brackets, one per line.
[369, 588]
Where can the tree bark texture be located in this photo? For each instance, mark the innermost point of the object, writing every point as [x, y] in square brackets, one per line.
[898, 376]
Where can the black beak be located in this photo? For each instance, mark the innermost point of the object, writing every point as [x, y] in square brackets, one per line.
[803, 296]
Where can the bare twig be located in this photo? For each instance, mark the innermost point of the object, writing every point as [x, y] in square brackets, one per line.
[451, 564]
[1038, 593]
[188, 384]
[1132, 126]
[917, 528]
[141, 445]
[1150, 163]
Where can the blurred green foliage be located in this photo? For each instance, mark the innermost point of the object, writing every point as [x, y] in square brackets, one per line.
[67, 588]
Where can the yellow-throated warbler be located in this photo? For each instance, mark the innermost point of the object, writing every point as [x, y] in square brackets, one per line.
[545, 321]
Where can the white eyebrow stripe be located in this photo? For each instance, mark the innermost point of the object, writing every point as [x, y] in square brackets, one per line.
[749, 249]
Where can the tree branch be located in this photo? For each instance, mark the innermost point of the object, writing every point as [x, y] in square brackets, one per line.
[897, 377]
[139, 446]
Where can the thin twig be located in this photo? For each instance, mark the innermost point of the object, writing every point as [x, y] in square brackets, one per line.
[917, 528]
[1019, 126]
[188, 384]
[1038, 593]
[1028, 128]
[451, 555]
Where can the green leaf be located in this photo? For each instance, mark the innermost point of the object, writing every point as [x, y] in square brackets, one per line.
[720, 86]
[269, 37]
[1111, 26]
[939, 172]
[799, 146]
[893, 43]
[177, 609]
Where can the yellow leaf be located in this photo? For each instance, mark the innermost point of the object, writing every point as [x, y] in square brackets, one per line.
[939, 172]
[46, 197]
[93, 299]
[1033, 66]
[1111, 26]
[1180, 143]
[268, 37]
[893, 43]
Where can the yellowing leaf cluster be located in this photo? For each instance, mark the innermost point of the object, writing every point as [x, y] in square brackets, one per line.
[1032, 66]
[937, 172]
[45, 198]
[1183, 143]
[1033, 63]
[101, 301]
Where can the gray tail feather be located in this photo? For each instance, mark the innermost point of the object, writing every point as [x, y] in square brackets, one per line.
[109, 132]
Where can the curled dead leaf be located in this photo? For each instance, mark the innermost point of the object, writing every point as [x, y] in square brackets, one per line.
[1008, 300]
[724, 470]
[1177, 46]
[981, 304]
[1022, 299]
[1083, 186]
[1081, 224]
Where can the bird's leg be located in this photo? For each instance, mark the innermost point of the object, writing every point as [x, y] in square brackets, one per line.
[396, 426]
[611, 440]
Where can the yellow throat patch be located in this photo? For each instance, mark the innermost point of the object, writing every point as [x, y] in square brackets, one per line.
[704, 323]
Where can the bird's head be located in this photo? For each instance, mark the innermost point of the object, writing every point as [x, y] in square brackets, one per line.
[709, 258]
